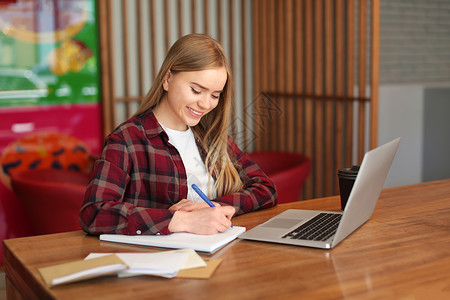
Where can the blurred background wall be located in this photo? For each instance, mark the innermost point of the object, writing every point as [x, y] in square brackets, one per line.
[414, 91]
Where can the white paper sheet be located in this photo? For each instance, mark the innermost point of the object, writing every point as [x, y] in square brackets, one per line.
[165, 264]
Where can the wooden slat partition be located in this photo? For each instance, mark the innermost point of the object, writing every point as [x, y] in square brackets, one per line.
[375, 71]
[362, 78]
[125, 50]
[289, 37]
[153, 36]
[106, 70]
[350, 77]
[245, 102]
[329, 90]
[299, 76]
[332, 50]
[318, 90]
[140, 50]
[339, 90]
[306, 90]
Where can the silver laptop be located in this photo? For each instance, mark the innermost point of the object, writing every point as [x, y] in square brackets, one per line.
[284, 228]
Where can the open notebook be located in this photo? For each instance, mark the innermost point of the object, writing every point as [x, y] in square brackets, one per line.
[179, 240]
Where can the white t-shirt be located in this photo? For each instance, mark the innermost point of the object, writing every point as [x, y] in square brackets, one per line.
[184, 142]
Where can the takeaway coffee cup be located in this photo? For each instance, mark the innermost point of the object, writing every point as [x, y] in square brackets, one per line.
[347, 177]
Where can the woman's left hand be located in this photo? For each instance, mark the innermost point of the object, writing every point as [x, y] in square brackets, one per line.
[189, 205]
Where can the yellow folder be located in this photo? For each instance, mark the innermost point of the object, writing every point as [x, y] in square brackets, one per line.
[82, 269]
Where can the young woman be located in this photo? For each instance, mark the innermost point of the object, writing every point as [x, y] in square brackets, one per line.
[178, 137]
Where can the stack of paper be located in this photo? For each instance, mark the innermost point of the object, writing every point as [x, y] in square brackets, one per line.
[165, 264]
[184, 263]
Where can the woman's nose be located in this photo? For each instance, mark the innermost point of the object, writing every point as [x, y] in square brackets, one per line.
[205, 102]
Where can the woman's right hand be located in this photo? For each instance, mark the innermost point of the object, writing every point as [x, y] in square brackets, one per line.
[189, 205]
[208, 220]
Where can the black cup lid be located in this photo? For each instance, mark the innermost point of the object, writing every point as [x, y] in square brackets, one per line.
[353, 171]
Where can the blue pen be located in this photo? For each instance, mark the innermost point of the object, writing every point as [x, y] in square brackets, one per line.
[203, 196]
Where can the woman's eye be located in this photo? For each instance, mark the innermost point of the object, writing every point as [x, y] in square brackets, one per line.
[216, 96]
[195, 91]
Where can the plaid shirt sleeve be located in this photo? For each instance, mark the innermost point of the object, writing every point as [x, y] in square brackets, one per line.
[258, 191]
[132, 185]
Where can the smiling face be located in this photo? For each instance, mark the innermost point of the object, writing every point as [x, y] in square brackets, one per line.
[189, 96]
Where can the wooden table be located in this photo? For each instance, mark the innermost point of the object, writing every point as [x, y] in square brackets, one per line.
[403, 252]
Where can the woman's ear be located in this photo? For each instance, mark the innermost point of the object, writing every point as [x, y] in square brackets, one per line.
[166, 81]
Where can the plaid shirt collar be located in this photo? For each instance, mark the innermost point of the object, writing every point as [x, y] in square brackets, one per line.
[151, 125]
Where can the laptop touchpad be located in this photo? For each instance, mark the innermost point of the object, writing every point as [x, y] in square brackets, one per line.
[282, 223]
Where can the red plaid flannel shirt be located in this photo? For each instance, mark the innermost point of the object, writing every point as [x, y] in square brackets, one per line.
[140, 175]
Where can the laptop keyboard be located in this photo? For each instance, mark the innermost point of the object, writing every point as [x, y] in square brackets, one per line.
[319, 228]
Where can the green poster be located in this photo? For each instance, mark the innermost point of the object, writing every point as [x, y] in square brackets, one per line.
[48, 52]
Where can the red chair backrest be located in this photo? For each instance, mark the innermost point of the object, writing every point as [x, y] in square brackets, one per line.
[287, 170]
[52, 198]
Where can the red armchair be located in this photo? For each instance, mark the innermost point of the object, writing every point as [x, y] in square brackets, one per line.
[287, 170]
[52, 198]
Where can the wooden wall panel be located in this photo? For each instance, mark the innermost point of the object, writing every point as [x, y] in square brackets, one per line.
[329, 184]
[332, 50]
[319, 109]
[290, 72]
[375, 71]
[362, 60]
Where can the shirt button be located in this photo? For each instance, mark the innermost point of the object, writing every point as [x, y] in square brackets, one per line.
[158, 233]
[138, 232]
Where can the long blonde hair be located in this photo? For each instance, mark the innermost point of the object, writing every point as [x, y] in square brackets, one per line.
[196, 52]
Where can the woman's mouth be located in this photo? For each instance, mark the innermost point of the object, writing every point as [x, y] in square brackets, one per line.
[195, 113]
